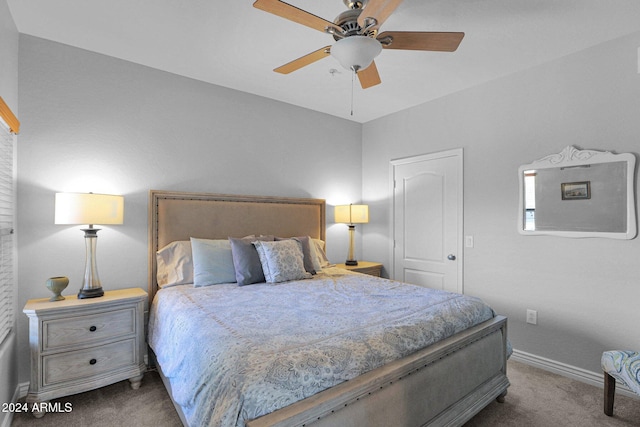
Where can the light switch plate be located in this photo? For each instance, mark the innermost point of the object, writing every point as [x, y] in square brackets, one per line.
[468, 241]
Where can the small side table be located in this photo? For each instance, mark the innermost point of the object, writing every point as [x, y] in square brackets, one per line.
[365, 267]
[79, 345]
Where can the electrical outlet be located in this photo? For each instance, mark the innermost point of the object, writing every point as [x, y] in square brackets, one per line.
[532, 317]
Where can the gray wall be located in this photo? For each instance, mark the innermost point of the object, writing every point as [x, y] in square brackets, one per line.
[586, 291]
[95, 123]
[9, 92]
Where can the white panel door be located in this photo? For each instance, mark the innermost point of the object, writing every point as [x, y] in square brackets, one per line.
[427, 220]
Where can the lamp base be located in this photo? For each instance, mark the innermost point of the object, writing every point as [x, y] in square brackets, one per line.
[351, 262]
[90, 293]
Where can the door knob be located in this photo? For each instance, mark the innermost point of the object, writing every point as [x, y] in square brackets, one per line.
[451, 257]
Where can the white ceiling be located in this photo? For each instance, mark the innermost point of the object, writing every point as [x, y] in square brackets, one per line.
[232, 44]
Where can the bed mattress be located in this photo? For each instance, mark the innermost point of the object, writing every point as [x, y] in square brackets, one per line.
[233, 353]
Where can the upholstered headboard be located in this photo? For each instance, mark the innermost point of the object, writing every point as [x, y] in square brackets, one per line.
[179, 216]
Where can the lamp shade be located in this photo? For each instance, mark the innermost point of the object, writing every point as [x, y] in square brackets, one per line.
[352, 214]
[89, 208]
[356, 52]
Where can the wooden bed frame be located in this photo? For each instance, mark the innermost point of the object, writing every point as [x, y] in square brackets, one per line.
[445, 384]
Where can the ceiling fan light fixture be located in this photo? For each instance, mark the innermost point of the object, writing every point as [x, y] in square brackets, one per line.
[356, 52]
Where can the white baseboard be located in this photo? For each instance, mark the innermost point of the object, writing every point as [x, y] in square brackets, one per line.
[5, 419]
[569, 371]
[20, 391]
[23, 389]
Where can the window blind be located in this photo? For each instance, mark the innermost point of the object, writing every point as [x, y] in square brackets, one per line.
[6, 230]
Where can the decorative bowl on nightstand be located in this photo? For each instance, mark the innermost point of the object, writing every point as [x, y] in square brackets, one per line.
[57, 285]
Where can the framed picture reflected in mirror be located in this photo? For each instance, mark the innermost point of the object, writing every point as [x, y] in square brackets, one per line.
[576, 190]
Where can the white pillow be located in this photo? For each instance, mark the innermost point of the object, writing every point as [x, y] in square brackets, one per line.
[314, 256]
[212, 262]
[174, 264]
[321, 259]
[281, 260]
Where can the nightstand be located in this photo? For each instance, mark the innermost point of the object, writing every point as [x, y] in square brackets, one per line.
[83, 344]
[365, 267]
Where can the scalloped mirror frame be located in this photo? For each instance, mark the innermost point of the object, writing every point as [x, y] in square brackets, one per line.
[572, 157]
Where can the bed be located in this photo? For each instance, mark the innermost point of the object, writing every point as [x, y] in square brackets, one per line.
[293, 357]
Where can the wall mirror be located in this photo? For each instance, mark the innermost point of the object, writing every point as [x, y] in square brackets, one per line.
[578, 193]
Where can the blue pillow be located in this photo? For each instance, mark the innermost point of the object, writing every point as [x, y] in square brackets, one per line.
[212, 262]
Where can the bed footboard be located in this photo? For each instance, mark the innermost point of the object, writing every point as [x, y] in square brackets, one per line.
[443, 385]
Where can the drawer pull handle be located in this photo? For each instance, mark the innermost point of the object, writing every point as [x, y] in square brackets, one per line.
[93, 362]
[93, 329]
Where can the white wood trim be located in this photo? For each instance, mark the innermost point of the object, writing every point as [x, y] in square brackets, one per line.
[23, 389]
[20, 391]
[569, 371]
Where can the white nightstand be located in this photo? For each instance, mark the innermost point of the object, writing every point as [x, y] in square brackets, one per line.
[365, 267]
[83, 344]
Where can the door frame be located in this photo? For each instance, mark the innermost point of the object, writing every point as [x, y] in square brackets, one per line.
[456, 152]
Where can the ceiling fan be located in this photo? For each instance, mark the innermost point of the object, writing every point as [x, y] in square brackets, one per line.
[356, 32]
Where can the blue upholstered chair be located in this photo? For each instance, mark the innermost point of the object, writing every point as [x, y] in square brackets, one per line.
[623, 366]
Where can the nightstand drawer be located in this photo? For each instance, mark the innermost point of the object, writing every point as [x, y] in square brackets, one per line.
[371, 271]
[70, 366]
[88, 329]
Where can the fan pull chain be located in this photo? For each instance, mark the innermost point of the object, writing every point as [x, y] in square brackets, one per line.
[353, 77]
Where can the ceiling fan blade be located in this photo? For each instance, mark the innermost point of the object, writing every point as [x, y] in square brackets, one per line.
[380, 10]
[416, 40]
[303, 61]
[292, 13]
[369, 76]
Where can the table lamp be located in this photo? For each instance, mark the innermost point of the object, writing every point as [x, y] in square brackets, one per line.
[352, 214]
[89, 208]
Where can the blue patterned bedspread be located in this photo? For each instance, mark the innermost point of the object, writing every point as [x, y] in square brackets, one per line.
[233, 353]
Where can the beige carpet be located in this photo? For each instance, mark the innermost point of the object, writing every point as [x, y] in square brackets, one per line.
[536, 398]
